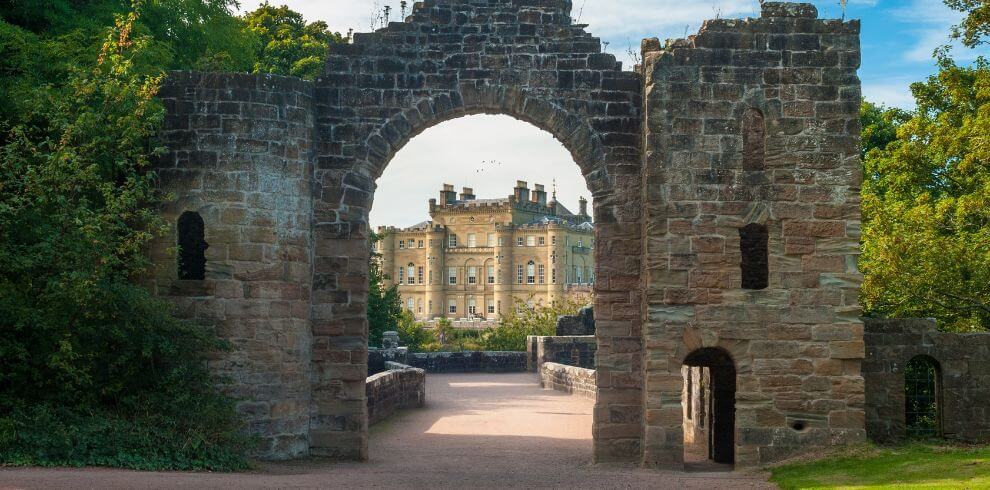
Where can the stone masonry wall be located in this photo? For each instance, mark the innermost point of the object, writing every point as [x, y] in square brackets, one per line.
[521, 58]
[469, 362]
[578, 351]
[755, 121]
[241, 159]
[569, 379]
[581, 324]
[749, 124]
[390, 391]
[964, 378]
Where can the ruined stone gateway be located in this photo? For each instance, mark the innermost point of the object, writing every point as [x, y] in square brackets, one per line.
[725, 172]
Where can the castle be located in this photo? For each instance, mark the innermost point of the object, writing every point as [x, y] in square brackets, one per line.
[479, 258]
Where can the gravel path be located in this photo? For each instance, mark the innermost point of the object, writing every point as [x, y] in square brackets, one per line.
[477, 431]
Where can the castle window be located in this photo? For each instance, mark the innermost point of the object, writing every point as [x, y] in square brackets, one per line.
[192, 246]
[577, 272]
[419, 275]
[519, 274]
[419, 306]
[543, 241]
[530, 273]
[531, 241]
[472, 307]
[402, 244]
[520, 241]
[754, 140]
[411, 274]
[472, 240]
[542, 274]
[553, 275]
[491, 274]
[402, 275]
[491, 239]
[410, 305]
[472, 275]
[754, 245]
[452, 275]
[491, 307]
[420, 244]
[452, 306]
[431, 277]
[553, 240]
[412, 243]
[501, 241]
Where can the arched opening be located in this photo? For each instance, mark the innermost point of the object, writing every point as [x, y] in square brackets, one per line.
[922, 398]
[191, 232]
[497, 209]
[709, 405]
[754, 245]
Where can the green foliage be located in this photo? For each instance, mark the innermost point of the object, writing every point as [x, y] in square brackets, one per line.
[384, 304]
[523, 321]
[914, 466]
[926, 206]
[286, 44]
[879, 125]
[413, 334]
[509, 335]
[185, 34]
[84, 351]
[976, 25]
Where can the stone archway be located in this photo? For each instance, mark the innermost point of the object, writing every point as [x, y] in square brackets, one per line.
[524, 59]
[283, 173]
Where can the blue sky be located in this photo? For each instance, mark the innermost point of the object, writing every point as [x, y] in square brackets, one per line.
[898, 39]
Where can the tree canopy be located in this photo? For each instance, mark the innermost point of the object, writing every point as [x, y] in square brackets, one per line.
[926, 195]
[286, 44]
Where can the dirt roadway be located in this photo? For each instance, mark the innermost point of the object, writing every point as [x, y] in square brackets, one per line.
[478, 431]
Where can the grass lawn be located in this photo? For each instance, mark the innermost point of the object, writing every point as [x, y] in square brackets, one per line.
[914, 466]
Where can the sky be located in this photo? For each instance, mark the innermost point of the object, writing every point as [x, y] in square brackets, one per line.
[898, 38]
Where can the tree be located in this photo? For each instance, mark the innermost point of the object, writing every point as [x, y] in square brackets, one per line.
[185, 34]
[93, 369]
[384, 303]
[926, 205]
[976, 25]
[286, 44]
[880, 125]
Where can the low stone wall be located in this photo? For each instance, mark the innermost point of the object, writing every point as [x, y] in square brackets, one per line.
[468, 362]
[576, 351]
[964, 384]
[569, 379]
[581, 324]
[390, 391]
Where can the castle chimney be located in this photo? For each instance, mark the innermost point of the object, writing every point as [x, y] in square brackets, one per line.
[583, 203]
[540, 195]
[448, 195]
[467, 194]
[433, 205]
[522, 191]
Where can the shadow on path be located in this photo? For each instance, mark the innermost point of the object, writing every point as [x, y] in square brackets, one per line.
[477, 430]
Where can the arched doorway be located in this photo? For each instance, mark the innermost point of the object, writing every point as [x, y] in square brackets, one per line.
[922, 398]
[709, 401]
[444, 61]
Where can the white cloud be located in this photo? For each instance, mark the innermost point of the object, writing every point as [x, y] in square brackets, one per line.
[486, 153]
[892, 93]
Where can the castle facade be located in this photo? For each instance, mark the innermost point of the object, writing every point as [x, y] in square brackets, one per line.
[479, 258]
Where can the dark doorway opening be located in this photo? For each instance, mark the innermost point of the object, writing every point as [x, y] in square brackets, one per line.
[710, 408]
[192, 246]
[922, 403]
